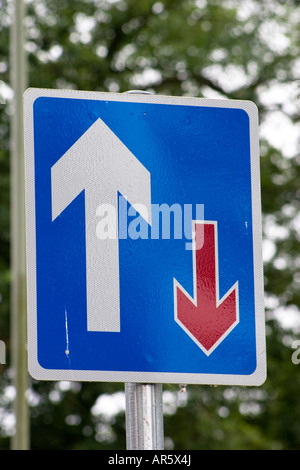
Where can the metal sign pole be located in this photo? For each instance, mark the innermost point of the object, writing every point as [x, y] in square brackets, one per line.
[144, 416]
[20, 440]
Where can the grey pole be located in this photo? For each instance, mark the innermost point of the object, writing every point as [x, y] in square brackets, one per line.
[144, 409]
[20, 441]
[144, 416]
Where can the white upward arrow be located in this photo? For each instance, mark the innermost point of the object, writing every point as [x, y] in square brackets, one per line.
[102, 165]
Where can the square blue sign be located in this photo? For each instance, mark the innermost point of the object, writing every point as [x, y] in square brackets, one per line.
[143, 239]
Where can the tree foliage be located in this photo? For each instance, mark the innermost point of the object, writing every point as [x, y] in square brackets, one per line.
[228, 49]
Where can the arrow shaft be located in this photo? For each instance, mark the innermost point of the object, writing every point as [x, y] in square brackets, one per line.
[206, 256]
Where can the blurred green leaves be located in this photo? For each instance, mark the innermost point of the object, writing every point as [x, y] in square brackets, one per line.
[226, 49]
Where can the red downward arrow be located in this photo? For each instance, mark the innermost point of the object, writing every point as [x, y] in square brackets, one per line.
[205, 318]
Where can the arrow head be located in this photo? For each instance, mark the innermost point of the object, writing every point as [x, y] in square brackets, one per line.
[206, 318]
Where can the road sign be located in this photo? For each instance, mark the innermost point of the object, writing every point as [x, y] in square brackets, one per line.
[143, 239]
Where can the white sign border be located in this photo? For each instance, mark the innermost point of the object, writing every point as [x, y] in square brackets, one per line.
[35, 369]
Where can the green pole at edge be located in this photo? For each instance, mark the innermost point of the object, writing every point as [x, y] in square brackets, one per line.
[20, 440]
